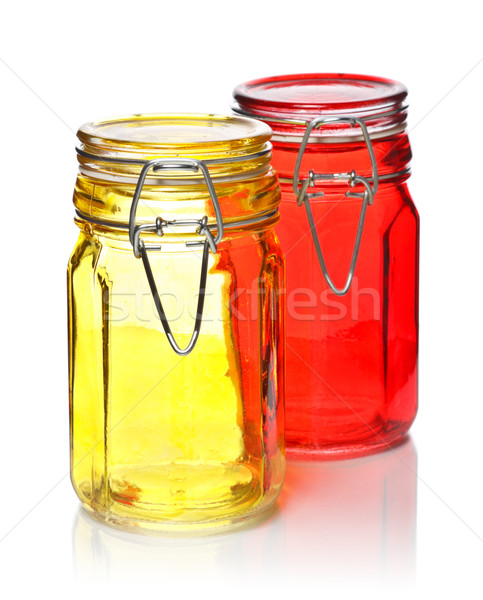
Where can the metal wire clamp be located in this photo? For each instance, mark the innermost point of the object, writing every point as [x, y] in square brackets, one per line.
[209, 243]
[303, 197]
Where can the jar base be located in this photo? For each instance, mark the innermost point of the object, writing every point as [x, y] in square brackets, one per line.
[183, 528]
[179, 498]
[172, 489]
[296, 451]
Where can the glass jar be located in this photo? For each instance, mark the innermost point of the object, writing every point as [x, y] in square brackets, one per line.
[341, 150]
[176, 323]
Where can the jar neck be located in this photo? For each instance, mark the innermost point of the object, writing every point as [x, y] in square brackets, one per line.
[248, 207]
[393, 156]
[177, 240]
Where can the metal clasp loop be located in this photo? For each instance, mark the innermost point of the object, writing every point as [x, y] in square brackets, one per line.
[209, 243]
[187, 164]
[303, 197]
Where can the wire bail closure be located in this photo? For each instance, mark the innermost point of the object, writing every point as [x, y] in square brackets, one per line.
[209, 243]
[303, 197]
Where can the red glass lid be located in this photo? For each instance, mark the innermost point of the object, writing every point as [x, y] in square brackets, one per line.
[288, 102]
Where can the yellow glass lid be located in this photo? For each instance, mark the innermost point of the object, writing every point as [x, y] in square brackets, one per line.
[213, 138]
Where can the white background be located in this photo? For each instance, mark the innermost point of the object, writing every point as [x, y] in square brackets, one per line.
[62, 64]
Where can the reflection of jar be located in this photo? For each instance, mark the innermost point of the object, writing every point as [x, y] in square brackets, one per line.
[356, 516]
[353, 516]
[341, 150]
[181, 427]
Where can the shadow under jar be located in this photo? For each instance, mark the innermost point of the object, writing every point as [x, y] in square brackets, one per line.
[350, 234]
[176, 323]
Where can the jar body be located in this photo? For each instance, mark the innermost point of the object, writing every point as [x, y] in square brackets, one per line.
[351, 367]
[169, 440]
[176, 436]
[350, 234]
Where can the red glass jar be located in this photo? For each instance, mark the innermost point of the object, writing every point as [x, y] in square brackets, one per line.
[341, 149]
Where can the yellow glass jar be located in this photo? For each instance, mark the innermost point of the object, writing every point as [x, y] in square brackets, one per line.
[176, 322]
